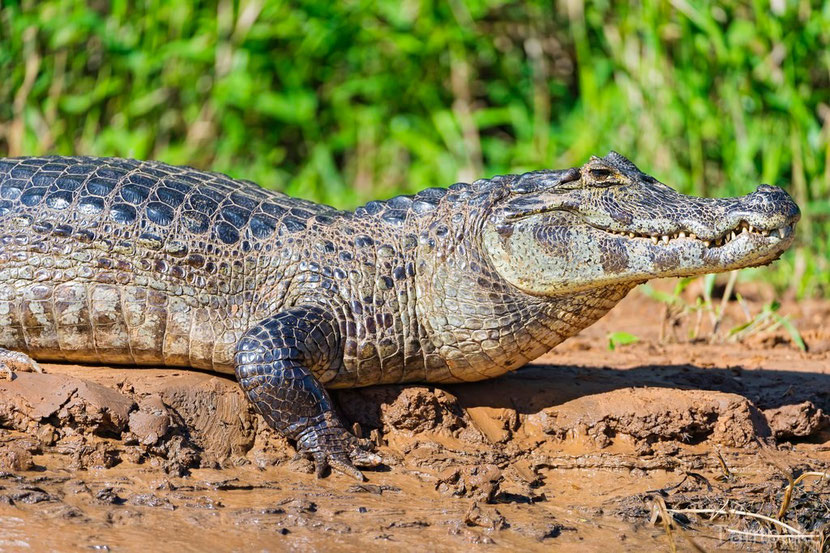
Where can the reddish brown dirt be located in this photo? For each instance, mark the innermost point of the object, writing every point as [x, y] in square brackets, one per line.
[574, 452]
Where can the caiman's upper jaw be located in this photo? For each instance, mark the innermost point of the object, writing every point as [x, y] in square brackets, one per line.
[782, 233]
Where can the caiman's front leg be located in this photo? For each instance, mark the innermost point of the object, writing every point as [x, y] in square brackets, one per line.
[275, 361]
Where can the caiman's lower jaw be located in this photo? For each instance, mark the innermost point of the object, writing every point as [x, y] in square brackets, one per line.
[781, 233]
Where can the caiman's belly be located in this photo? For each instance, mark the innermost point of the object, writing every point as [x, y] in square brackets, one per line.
[56, 310]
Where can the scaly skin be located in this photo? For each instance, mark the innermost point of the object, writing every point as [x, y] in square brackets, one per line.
[141, 263]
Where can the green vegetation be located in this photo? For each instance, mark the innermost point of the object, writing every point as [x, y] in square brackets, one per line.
[676, 310]
[346, 101]
[616, 339]
[768, 320]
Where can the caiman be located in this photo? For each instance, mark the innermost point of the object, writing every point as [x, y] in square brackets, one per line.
[141, 263]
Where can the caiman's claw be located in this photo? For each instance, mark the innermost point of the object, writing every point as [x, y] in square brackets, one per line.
[338, 449]
[11, 361]
[338, 463]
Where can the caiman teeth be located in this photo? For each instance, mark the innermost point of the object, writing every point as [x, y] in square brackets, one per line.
[742, 228]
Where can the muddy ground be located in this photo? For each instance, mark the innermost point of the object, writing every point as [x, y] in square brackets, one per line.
[580, 451]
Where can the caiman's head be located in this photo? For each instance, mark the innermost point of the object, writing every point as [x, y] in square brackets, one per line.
[607, 223]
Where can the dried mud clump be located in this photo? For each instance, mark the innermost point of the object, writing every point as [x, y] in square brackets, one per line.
[479, 482]
[420, 410]
[409, 411]
[14, 458]
[184, 420]
[650, 415]
[63, 401]
[151, 422]
[800, 421]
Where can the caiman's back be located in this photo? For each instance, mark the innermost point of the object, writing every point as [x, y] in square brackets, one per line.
[122, 261]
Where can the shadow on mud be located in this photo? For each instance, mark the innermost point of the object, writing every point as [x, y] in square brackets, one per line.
[535, 387]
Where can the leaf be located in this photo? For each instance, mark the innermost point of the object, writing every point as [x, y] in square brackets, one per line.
[682, 284]
[658, 295]
[708, 286]
[791, 330]
[736, 329]
[620, 339]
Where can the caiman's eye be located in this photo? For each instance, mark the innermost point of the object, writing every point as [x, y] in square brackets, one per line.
[600, 173]
[604, 178]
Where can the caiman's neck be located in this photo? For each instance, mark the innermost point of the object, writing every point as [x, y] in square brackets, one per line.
[569, 314]
[480, 326]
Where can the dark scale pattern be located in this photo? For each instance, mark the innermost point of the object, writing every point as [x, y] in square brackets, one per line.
[142, 263]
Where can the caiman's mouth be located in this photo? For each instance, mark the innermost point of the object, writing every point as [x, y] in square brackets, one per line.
[742, 228]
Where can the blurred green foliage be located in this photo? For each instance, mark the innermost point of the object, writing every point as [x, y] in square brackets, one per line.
[346, 101]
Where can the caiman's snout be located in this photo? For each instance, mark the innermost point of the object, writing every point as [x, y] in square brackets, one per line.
[769, 210]
[770, 201]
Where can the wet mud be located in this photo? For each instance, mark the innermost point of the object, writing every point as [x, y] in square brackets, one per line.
[587, 449]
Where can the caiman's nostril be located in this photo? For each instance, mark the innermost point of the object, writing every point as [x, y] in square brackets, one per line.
[775, 199]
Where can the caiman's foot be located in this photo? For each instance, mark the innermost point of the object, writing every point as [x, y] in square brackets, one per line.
[334, 446]
[274, 361]
[11, 361]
